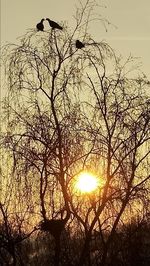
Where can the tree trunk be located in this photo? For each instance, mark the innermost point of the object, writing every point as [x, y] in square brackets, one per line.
[84, 254]
[57, 252]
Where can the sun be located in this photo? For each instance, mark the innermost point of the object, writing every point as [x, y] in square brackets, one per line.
[86, 182]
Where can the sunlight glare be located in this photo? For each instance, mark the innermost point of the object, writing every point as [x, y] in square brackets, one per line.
[86, 182]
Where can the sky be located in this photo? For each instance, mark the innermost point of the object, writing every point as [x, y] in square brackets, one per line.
[130, 35]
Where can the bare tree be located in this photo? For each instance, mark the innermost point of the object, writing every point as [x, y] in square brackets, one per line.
[121, 122]
[69, 110]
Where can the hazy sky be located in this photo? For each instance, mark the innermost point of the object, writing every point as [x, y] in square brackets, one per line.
[131, 17]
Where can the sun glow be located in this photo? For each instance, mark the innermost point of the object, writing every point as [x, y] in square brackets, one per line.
[86, 182]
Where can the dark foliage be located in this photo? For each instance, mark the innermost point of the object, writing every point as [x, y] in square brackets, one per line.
[130, 247]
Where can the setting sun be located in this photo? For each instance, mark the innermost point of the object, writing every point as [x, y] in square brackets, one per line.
[86, 182]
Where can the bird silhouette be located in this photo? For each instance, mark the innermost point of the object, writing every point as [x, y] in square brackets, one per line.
[79, 45]
[40, 26]
[54, 25]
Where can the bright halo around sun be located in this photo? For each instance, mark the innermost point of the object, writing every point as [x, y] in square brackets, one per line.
[86, 182]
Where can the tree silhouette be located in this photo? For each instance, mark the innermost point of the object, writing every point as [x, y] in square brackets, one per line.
[66, 111]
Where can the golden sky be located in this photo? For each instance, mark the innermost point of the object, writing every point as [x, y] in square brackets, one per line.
[131, 17]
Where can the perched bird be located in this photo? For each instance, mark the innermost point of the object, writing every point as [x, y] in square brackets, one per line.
[40, 26]
[79, 45]
[54, 25]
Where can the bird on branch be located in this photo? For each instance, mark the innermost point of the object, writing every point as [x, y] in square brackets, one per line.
[40, 26]
[79, 45]
[54, 25]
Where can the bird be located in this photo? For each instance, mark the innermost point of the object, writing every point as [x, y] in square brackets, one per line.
[40, 26]
[53, 24]
[79, 45]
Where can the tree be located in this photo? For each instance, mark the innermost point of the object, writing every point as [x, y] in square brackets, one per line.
[70, 110]
[121, 115]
